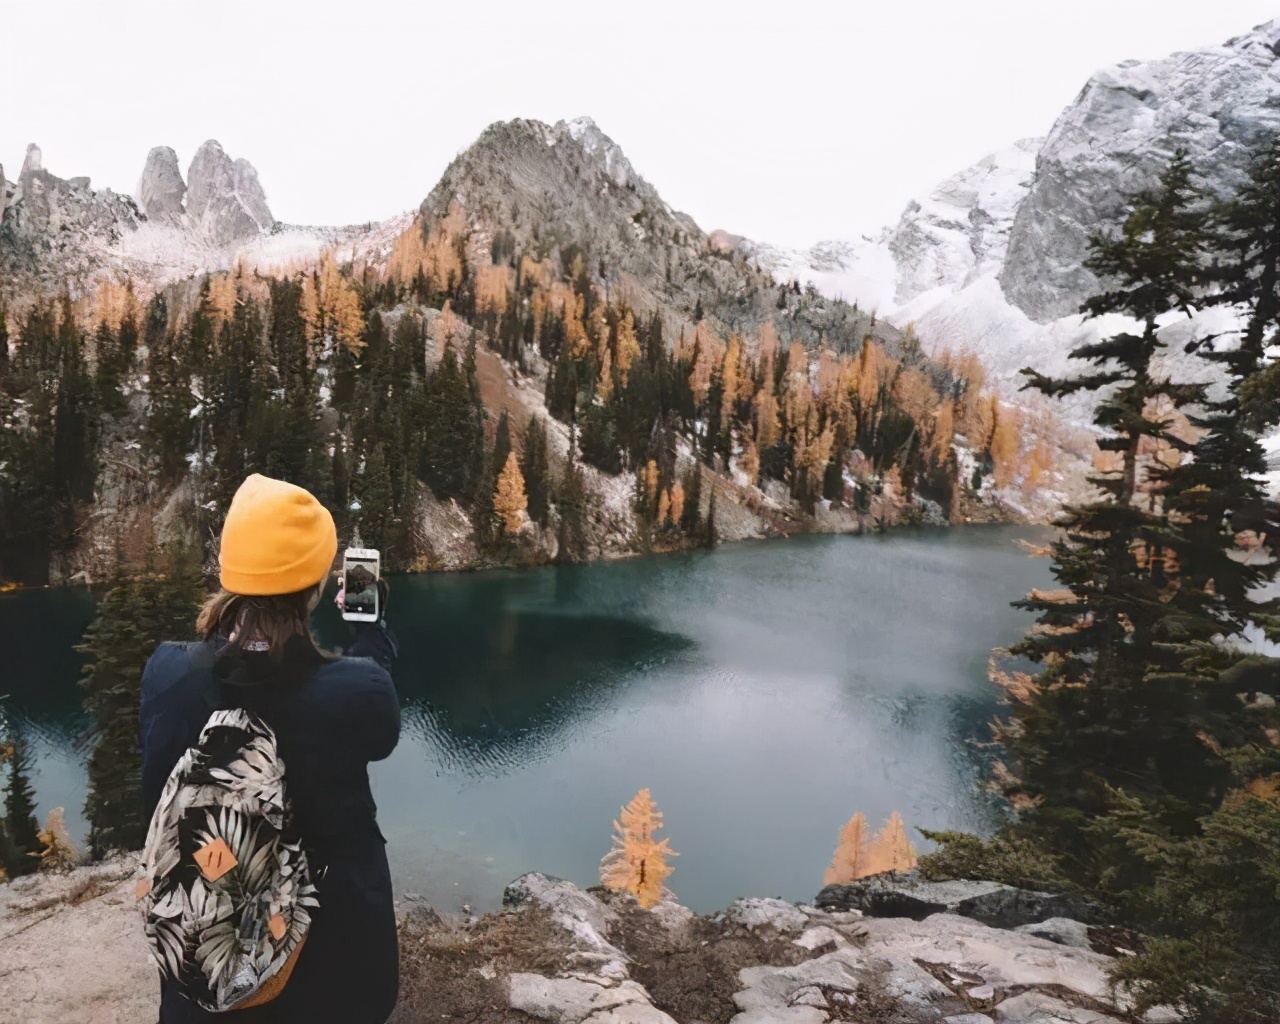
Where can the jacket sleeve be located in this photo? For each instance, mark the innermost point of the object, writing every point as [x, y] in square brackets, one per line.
[374, 713]
[374, 640]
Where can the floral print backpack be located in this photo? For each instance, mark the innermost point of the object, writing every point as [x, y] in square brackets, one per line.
[224, 887]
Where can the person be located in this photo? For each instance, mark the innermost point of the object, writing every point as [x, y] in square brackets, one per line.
[331, 714]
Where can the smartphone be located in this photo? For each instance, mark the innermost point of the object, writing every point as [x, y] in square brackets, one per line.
[360, 585]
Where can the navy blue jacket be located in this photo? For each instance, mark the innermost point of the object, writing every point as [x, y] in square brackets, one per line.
[331, 718]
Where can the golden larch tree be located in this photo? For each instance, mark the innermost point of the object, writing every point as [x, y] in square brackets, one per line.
[628, 345]
[1005, 444]
[638, 862]
[509, 498]
[492, 285]
[850, 859]
[891, 850]
[677, 503]
[749, 462]
[944, 428]
[58, 852]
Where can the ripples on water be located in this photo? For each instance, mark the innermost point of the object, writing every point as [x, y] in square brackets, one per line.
[764, 692]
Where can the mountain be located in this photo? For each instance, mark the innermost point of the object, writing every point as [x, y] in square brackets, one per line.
[567, 188]
[60, 233]
[990, 259]
[1116, 137]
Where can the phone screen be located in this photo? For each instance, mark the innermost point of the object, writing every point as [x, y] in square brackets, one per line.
[360, 596]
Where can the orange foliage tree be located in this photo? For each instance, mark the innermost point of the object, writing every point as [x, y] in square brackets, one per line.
[509, 499]
[856, 856]
[331, 308]
[638, 862]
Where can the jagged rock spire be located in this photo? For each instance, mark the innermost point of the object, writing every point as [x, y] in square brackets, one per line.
[161, 193]
[224, 198]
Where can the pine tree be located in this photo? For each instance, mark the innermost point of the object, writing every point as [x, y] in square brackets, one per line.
[453, 453]
[571, 504]
[1105, 712]
[139, 612]
[1218, 494]
[691, 520]
[535, 470]
[377, 509]
[22, 828]
[168, 431]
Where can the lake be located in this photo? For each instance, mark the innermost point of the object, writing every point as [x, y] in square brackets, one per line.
[763, 692]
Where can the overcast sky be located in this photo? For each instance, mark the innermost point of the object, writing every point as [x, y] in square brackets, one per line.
[782, 121]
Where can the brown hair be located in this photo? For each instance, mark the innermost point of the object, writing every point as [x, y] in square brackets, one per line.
[274, 618]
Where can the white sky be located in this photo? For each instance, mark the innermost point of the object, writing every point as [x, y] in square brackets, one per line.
[786, 122]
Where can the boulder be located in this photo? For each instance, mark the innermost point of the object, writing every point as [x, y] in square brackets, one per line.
[573, 1000]
[1062, 930]
[580, 913]
[757, 912]
[993, 903]
[1038, 1008]
[417, 911]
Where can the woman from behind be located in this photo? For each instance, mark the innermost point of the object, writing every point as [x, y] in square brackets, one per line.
[331, 715]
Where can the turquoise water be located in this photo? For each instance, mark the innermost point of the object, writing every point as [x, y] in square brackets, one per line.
[763, 692]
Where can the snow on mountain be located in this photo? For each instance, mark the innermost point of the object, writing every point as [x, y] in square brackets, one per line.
[988, 261]
[1117, 136]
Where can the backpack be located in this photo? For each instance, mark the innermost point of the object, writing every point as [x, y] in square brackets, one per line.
[224, 888]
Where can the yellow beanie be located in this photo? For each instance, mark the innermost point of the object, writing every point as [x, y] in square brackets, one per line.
[277, 539]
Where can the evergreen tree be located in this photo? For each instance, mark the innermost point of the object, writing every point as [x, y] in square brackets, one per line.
[377, 508]
[21, 826]
[75, 439]
[168, 432]
[501, 441]
[534, 468]
[571, 504]
[139, 612]
[453, 451]
[4, 343]
[1219, 493]
[691, 518]
[1108, 710]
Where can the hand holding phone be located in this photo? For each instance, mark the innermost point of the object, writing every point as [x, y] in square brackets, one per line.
[359, 597]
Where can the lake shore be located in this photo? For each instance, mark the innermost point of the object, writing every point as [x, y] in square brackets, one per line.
[73, 951]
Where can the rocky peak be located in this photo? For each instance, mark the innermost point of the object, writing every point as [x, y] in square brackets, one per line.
[601, 149]
[1116, 138]
[960, 230]
[54, 229]
[161, 193]
[224, 197]
[33, 163]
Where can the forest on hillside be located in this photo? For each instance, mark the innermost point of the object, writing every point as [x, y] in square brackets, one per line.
[361, 384]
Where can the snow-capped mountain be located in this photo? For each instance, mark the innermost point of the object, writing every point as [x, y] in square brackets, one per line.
[990, 260]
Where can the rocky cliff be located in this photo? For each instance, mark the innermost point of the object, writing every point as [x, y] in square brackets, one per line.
[1117, 136]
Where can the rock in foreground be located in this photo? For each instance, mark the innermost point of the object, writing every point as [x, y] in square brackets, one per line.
[71, 949]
